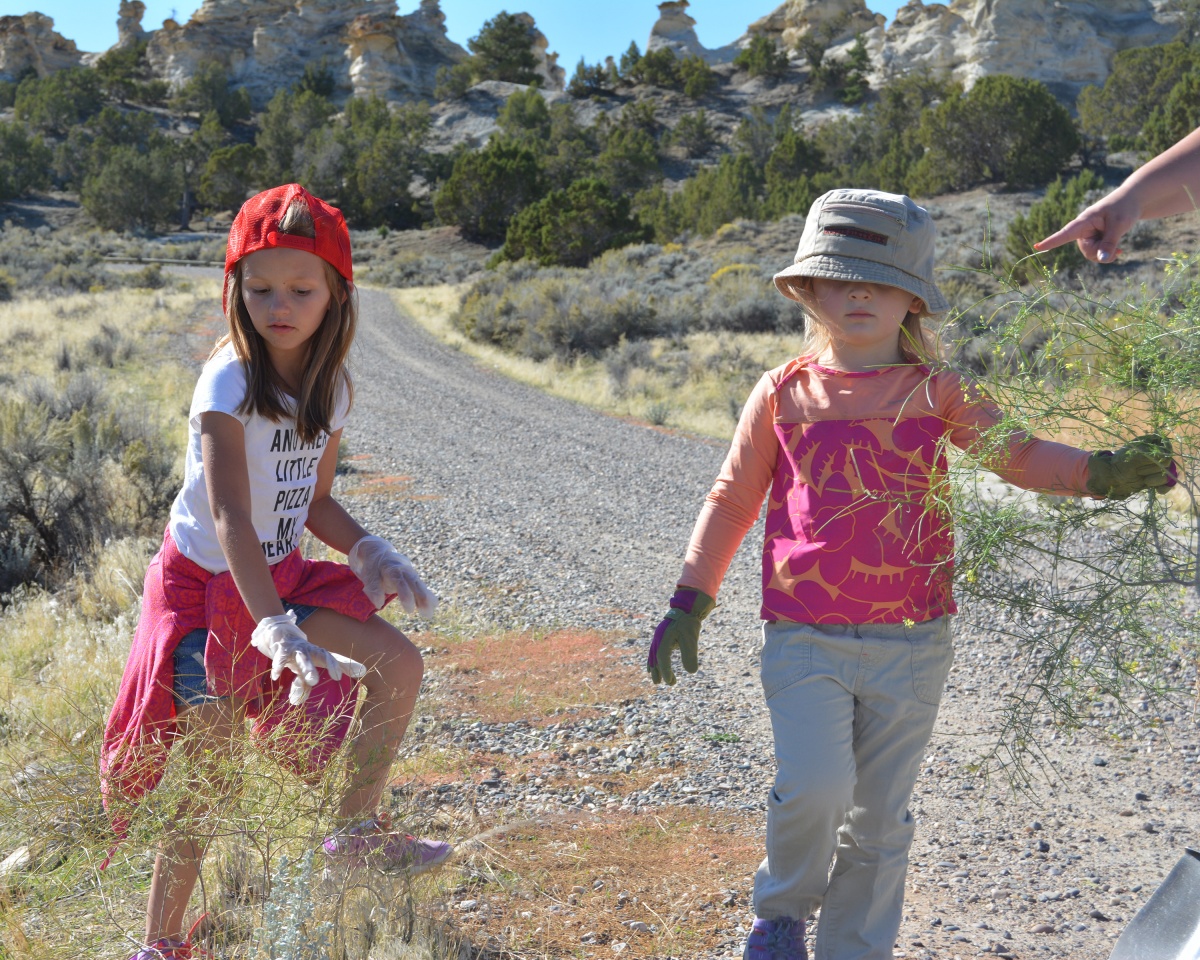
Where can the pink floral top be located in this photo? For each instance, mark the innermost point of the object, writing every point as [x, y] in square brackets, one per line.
[854, 529]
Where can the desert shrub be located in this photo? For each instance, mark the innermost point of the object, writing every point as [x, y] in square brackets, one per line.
[788, 175]
[625, 295]
[853, 85]
[1140, 81]
[879, 147]
[525, 117]
[696, 77]
[1175, 118]
[657, 68]
[125, 75]
[552, 315]
[590, 80]
[629, 160]
[57, 102]
[694, 133]
[714, 196]
[1099, 597]
[210, 89]
[228, 177]
[1005, 129]
[24, 161]
[761, 58]
[571, 226]
[285, 125]
[74, 473]
[133, 190]
[383, 149]
[503, 50]
[488, 187]
[1061, 204]
[317, 79]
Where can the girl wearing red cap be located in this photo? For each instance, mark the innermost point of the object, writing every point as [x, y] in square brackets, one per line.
[235, 622]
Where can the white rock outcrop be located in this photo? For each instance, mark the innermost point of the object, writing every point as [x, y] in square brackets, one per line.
[30, 42]
[795, 18]
[675, 29]
[266, 44]
[1066, 44]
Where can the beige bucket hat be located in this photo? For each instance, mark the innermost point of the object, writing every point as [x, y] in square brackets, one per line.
[871, 236]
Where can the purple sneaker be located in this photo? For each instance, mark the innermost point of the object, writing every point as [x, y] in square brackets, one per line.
[781, 939]
[374, 843]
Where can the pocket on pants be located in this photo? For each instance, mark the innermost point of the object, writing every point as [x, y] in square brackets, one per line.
[786, 659]
[932, 654]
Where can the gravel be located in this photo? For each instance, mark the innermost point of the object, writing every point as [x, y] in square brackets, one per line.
[529, 511]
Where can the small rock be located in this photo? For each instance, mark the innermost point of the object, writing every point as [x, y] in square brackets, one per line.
[1043, 928]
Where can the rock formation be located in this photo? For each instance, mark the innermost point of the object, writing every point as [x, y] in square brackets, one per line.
[553, 76]
[841, 18]
[1066, 44]
[397, 58]
[675, 30]
[129, 24]
[31, 43]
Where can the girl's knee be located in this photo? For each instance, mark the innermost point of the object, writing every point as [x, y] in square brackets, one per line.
[400, 664]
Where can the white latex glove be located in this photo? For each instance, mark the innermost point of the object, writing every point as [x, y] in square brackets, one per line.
[383, 570]
[282, 640]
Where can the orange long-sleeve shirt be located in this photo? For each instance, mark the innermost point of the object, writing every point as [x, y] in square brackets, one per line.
[853, 530]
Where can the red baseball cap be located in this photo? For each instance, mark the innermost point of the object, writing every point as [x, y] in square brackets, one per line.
[256, 227]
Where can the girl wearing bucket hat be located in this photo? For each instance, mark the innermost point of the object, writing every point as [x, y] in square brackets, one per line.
[844, 442]
[235, 623]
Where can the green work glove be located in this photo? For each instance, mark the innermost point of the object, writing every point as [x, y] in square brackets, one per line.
[679, 628]
[1143, 463]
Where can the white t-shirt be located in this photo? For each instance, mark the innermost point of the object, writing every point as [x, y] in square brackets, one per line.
[283, 471]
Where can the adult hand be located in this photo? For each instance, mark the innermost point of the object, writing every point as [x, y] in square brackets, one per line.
[281, 639]
[383, 570]
[1097, 231]
[1143, 463]
[679, 628]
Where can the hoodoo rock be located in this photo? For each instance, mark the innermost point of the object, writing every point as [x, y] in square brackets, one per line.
[31, 43]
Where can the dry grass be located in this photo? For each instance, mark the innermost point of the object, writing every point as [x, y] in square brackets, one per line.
[582, 885]
[532, 676]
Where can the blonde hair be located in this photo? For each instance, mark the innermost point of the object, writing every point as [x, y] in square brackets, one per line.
[325, 374]
[917, 344]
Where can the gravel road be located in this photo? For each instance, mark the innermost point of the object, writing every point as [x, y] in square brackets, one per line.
[523, 509]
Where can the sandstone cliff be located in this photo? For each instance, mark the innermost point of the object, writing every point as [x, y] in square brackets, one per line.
[1066, 44]
[31, 43]
[266, 44]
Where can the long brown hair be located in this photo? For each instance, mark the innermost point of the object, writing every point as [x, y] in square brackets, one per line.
[325, 373]
[917, 344]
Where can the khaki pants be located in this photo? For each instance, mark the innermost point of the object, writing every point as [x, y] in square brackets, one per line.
[852, 710]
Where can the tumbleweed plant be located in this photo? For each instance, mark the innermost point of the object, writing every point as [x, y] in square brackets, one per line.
[1097, 598]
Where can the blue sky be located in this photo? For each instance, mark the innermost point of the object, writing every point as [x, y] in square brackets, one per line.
[573, 27]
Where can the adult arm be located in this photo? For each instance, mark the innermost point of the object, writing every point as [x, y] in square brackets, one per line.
[1166, 185]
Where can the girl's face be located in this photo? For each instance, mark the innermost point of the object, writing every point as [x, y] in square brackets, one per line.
[864, 317]
[286, 293]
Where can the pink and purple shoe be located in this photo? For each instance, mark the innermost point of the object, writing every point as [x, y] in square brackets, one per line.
[781, 939]
[168, 948]
[374, 843]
